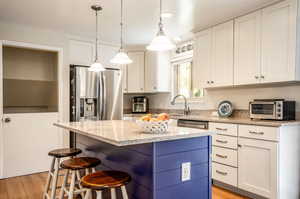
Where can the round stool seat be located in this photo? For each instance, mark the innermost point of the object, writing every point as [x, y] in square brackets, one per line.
[105, 180]
[65, 152]
[80, 163]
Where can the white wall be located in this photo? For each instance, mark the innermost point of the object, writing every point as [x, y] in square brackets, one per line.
[23, 33]
[240, 97]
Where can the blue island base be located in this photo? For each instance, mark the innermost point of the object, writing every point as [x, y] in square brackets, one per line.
[155, 168]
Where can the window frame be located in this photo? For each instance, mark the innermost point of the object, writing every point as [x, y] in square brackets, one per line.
[178, 61]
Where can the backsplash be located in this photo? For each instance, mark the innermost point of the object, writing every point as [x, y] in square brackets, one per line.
[240, 97]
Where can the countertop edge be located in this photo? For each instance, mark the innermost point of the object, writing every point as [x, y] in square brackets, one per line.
[133, 142]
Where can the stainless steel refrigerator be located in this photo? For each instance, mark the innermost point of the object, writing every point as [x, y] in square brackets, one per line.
[94, 95]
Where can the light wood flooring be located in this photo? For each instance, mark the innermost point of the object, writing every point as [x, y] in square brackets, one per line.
[32, 186]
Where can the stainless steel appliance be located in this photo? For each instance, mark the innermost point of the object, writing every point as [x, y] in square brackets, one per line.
[95, 95]
[197, 124]
[272, 109]
[140, 104]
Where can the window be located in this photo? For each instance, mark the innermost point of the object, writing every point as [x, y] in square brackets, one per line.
[183, 80]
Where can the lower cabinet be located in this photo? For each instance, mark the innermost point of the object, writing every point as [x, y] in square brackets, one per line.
[257, 167]
[224, 173]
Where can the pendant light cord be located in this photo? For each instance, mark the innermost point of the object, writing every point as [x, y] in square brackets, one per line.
[96, 50]
[160, 17]
[121, 24]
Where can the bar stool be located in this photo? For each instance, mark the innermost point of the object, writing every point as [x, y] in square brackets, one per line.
[74, 165]
[57, 154]
[102, 180]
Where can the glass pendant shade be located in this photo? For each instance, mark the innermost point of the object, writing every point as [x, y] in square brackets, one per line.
[161, 43]
[121, 58]
[96, 67]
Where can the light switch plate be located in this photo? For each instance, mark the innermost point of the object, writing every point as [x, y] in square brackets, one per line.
[185, 171]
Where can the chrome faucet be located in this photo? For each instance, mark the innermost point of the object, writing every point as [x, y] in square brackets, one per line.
[187, 109]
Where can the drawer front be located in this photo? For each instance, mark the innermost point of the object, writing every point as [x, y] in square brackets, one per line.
[224, 156]
[225, 174]
[224, 129]
[224, 141]
[259, 132]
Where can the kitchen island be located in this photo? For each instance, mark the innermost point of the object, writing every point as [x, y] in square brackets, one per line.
[153, 160]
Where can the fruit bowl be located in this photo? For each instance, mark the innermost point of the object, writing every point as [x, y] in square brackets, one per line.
[154, 126]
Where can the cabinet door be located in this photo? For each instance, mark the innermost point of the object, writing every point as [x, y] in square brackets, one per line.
[279, 42]
[81, 53]
[158, 72]
[202, 59]
[257, 167]
[247, 49]
[222, 55]
[135, 72]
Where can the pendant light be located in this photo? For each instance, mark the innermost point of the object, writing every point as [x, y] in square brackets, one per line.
[121, 58]
[96, 66]
[161, 42]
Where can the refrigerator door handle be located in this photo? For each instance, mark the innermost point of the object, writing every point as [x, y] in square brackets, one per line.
[104, 97]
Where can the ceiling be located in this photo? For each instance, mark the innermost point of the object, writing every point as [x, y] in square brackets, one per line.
[75, 16]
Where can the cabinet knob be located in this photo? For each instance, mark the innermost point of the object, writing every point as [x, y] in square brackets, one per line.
[262, 76]
[7, 120]
[154, 87]
[208, 82]
[256, 77]
[141, 89]
[239, 145]
[212, 82]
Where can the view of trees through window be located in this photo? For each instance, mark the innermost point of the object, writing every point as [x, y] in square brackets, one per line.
[183, 83]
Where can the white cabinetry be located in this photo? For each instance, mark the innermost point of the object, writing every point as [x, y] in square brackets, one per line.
[222, 55]
[135, 72]
[257, 162]
[80, 52]
[157, 72]
[247, 49]
[214, 56]
[202, 58]
[279, 42]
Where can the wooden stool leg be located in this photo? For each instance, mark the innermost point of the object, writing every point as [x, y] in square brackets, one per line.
[78, 180]
[72, 185]
[124, 192]
[88, 194]
[54, 182]
[62, 191]
[99, 194]
[113, 193]
[49, 178]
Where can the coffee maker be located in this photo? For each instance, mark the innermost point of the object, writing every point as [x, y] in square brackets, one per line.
[140, 104]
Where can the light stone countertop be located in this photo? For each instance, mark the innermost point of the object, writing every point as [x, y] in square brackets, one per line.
[231, 120]
[123, 133]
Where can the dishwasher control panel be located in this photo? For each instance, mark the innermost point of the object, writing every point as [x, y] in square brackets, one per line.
[198, 124]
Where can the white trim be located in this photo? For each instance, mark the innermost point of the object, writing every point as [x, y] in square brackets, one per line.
[1, 113]
[59, 79]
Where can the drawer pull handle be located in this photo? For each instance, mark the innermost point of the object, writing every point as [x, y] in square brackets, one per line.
[221, 156]
[222, 141]
[256, 133]
[222, 173]
[221, 129]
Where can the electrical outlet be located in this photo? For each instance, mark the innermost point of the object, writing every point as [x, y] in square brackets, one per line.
[185, 171]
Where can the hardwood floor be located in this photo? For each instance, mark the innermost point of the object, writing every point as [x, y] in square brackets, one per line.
[32, 186]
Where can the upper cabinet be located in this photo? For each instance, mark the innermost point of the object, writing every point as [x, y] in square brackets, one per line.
[222, 55]
[157, 68]
[202, 59]
[135, 72]
[80, 52]
[214, 56]
[247, 54]
[279, 42]
[265, 45]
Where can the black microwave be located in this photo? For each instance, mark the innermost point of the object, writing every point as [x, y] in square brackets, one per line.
[273, 109]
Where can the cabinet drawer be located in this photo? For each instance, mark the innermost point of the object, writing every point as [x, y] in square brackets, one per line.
[224, 141]
[224, 129]
[224, 156]
[259, 132]
[225, 174]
